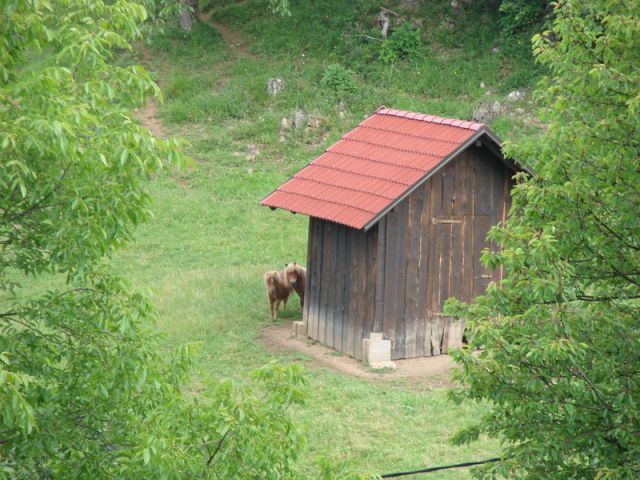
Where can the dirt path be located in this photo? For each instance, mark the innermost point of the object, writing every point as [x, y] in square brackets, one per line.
[148, 116]
[424, 372]
[235, 40]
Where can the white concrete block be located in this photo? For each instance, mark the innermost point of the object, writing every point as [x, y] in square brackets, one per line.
[377, 351]
[376, 336]
[299, 329]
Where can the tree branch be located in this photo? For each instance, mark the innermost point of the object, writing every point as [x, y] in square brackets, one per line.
[218, 447]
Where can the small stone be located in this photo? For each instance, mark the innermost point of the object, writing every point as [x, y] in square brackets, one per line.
[284, 123]
[486, 112]
[252, 152]
[282, 139]
[495, 49]
[482, 85]
[316, 119]
[275, 86]
[515, 96]
[341, 115]
[299, 119]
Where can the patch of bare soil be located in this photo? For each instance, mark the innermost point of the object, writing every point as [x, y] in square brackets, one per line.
[149, 119]
[232, 38]
[424, 372]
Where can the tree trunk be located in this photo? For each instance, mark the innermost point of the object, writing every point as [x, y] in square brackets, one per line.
[383, 17]
[188, 16]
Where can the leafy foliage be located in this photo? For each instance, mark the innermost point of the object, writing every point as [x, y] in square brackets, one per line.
[86, 389]
[280, 7]
[338, 79]
[561, 332]
[517, 15]
[403, 43]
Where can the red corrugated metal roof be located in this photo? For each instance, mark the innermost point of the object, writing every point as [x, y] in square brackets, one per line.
[359, 178]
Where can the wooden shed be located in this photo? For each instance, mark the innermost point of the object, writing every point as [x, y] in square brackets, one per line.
[399, 210]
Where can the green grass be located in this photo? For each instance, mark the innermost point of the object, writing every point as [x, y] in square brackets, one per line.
[202, 256]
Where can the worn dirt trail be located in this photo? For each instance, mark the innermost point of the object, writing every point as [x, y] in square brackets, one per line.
[424, 372]
[148, 115]
[234, 39]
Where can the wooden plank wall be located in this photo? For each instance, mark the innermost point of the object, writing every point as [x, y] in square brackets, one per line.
[341, 273]
[396, 277]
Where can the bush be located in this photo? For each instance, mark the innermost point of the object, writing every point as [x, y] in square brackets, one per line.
[403, 42]
[338, 79]
[516, 15]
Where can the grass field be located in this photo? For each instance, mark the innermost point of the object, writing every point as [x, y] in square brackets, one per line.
[202, 256]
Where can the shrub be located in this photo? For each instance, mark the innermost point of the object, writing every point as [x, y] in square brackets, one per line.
[403, 42]
[338, 79]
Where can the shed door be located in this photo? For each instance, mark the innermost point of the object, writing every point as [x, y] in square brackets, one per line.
[445, 269]
[481, 276]
[455, 271]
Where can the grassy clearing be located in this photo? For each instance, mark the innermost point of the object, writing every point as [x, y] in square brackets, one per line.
[202, 255]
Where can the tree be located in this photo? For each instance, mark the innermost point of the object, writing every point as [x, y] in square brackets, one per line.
[559, 337]
[188, 15]
[86, 390]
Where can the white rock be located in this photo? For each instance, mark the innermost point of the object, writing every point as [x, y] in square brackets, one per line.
[486, 112]
[252, 152]
[300, 119]
[515, 96]
[275, 86]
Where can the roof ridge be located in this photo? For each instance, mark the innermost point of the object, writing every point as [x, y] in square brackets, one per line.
[452, 122]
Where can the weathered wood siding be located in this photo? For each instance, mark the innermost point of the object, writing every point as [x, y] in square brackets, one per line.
[396, 277]
[339, 305]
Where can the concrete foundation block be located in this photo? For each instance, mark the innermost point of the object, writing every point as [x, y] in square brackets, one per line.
[299, 329]
[377, 351]
[377, 337]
